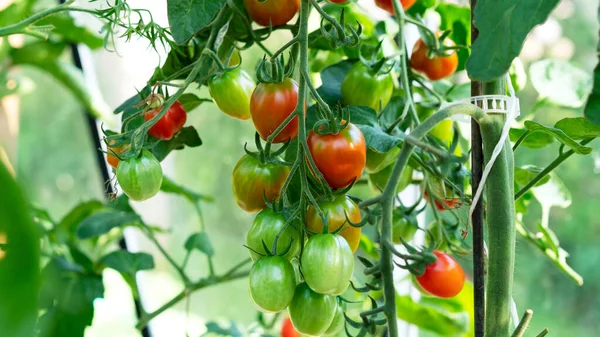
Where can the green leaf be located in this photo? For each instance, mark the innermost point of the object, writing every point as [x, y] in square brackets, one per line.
[524, 174]
[213, 328]
[553, 194]
[560, 136]
[188, 136]
[191, 101]
[428, 317]
[592, 108]
[67, 227]
[457, 19]
[578, 128]
[366, 120]
[200, 241]
[128, 263]
[503, 27]
[102, 222]
[19, 261]
[65, 26]
[560, 82]
[536, 140]
[332, 78]
[188, 17]
[169, 186]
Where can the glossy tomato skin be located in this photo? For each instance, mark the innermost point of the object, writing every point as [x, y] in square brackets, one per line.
[338, 1]
[252, 181]
[265, 227]
[272, 283]
[338, 321]
[444, 278]
[169, 124]
[140, 178]
[403, 227]
[287, 329]
[231, 91]
[327, 264]
[340, 158]
[111, 158]
[363, 87]
[274, 12]
[336, 211]
[311, 313]
[270, 105]
[435, 68]
[388, 6]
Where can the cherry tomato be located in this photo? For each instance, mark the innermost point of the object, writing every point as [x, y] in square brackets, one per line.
[111, 158]
[380, 179]
[231, 91]
[434, 68]
[338, 321]
[265, 227]
[365, 88]
[338, 1]
[377, 161]
[388, 6]
[442, 192]
[311, 313]
[253, 181]
[272, 283]
[270, 105]
[403, 226]
[169, 124]
[340, 158]
[336, 211]
[444, 278]
[274, 12]
[140, 178]
[287, 329]
[327, 264]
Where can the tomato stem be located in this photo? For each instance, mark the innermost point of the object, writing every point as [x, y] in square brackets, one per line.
[523, 324]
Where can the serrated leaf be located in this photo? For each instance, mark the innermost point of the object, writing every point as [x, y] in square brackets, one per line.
[128, 263]
[191, 101]
[524, 174]
[200, 241]
[103, 222]
[560, 136]
[67, 227]
[536, 140]
[366, 120]
[503, 27]
[560, 82]
[428, 317]
[65, 26]
[332, 78]
[188, 136]
[188, 17]
[578, 128]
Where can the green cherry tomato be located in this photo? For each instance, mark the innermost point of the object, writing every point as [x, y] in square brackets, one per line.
[338, 211]
[231, 91]
[362, 87]
[252, 181]
[403, 226]
[379, 180]
[327, 264]
[272, 284]
[311, 313]
[265, 227]
[338, 321]
[140, 178]
[377, 161]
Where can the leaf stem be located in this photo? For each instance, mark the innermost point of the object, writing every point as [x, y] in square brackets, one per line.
[523, 324]
[150, 235]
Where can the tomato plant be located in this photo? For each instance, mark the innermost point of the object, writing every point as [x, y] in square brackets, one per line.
[231, 91]
[253, 182]
[444, 278]
[265, 227]
[337, 212]
[272, 283]
[140, 177]
[365, 87]
[169, 124]
[270, 105]
[272, 12]
[341, 157]
[327, 264]
[311, 313]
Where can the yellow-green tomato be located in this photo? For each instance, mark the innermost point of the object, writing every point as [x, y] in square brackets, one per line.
[231, 91]
[327, 264]
[272, 284]
[311, 313]
[140, 178]
[265, 228]
[338, 321]
[363, 87]
[377, 161]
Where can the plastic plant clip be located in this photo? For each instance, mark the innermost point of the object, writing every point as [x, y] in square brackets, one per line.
[498, 104]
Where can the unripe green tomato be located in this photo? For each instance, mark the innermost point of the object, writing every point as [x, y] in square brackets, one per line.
[311, 313]
[379, 180]
[377, 161]
[403, 228]
[272, 284]
[338, 321]
[364, 88]
[231, 91]
[327, 264]
[140, 178]
[265, 227]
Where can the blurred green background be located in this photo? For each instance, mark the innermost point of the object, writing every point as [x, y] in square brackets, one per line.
[56, 165]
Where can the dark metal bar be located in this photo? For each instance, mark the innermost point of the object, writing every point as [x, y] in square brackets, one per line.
[477, 218]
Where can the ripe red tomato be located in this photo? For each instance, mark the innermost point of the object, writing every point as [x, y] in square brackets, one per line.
[274, 12]
[169, 124]
[444, 278]
[337, 1]
[444, 193]
[434, 68]
[270, 105]
[388, 6]
[336, 211]
[287, 329]
[341, 158]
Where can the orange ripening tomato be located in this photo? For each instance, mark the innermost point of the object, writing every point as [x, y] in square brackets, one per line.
[336, 212]
[169, 124]
[340, 158]
[388, 6]
[434, 68]
[113, 160]
[274, 12]
[287, 329]
[444, 278]
[270, 105]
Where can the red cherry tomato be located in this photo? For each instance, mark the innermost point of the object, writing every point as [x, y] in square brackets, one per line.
[274, 12]
[444, 278]
[388, 6]
[434, 68]
[338, 1]
[169, 124]
[341, 158]
[270, 105]
[287, 329]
